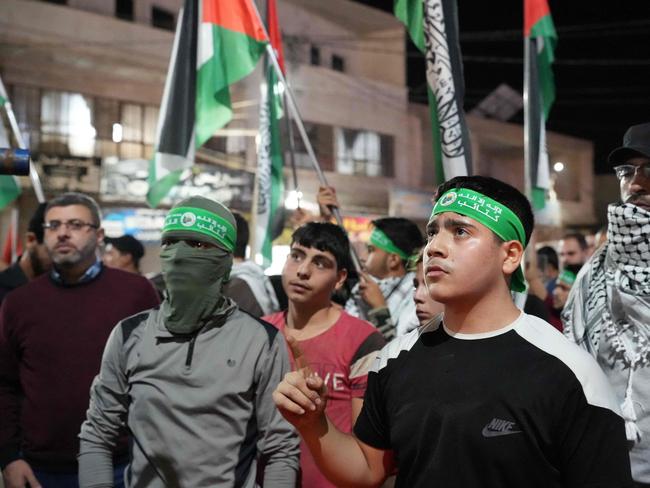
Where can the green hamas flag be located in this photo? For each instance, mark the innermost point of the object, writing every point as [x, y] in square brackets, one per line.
[270, 184]
[217, 43]
[433, 27]
[541, 39]
[9, 186]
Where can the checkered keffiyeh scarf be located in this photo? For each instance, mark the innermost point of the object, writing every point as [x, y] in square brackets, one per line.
[397, 292]
[611, 299]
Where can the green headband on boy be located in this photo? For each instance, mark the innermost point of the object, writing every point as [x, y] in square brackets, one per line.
[379, 239]
[567, 276]
[492, 214]
[197, 220]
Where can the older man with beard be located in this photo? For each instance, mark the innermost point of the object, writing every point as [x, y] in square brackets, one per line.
[608, 310]
[52, 333]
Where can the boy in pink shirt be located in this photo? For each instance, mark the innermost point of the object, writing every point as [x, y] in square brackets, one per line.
[336, 346]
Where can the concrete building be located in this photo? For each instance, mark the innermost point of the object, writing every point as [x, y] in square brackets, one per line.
[85, 78]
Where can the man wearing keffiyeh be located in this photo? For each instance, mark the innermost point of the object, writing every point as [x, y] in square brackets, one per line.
[608, 310]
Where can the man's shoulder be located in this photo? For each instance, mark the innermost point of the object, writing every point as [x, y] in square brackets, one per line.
[404, 344]
[134, 322]
[124, 278]
[31, 289]
[12, 277]
[578, 362]
[242, 319]
[355, 327]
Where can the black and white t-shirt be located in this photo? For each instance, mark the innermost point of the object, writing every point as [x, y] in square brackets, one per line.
[518, 407]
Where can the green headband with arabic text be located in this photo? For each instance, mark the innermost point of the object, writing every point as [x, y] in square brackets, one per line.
[378, 238]
[567, 276]
[492, 214]
[201, 221]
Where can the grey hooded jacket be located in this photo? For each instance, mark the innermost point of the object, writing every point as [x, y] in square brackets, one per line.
[198, 408]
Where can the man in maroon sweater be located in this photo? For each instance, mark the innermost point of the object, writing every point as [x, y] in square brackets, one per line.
[52, 334]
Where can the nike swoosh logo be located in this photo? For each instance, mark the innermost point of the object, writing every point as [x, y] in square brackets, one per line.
[496, 433]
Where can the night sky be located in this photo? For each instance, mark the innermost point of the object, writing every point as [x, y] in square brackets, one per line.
[602, 69]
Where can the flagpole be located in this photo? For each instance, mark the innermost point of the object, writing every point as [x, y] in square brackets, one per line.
[528, 45]
[33, 174]
[310, 150]
[292, 149]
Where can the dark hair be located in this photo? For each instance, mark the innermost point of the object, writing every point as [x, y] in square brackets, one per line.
[242, 236]
[551, 256]
[325, 237]
[74, 198]
[496, 190]
[36, 222]
[579, 237]
[403, 232]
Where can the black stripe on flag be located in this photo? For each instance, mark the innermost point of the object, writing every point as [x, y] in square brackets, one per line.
[179, 107]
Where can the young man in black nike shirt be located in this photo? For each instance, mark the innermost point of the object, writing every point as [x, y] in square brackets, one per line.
[487, 396]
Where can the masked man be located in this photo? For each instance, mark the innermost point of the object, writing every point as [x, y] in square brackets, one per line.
[192, 380]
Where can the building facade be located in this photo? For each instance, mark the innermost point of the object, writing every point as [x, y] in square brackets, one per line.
[85, 79]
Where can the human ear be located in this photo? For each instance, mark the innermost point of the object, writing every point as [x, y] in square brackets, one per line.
[30, 240]
[514, 253]
[342, 275]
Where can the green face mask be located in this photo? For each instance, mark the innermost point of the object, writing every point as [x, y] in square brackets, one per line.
[194, 278]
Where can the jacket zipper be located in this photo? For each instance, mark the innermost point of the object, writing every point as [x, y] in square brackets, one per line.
[190, 351]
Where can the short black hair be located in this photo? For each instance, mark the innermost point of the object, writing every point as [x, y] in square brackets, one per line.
[325, 237]
[75, 198]
[36, 222]
[551, 256]
[243, 234]
[404, 233]
[497, 190]
[580, 239]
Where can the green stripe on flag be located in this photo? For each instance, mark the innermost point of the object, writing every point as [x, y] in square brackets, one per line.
[235, 57]
[9, 190]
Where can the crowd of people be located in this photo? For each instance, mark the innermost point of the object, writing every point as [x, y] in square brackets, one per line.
[417, 369]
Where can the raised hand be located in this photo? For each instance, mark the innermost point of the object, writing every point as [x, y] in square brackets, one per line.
[327, 200]
[302, 395]
[370, 291]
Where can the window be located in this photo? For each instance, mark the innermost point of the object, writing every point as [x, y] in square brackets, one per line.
[161, 18]
[314, 56]
[322, 141]
[338, 63]
[361, 152]
[124, 9]
[67, 123]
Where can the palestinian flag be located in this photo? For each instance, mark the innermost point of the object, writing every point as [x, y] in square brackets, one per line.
[269, 181]
[9, 186]
[217, 43]
[433, 27]
[540, 39]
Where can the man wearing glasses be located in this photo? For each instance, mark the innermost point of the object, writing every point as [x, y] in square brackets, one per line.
[52, 334]
[608, 310]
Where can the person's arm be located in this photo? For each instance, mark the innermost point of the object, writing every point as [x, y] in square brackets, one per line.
[327, 201]
[592, 445]
[15, 471]
[278, 442]
[342, 458]
[106, 416]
